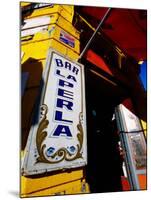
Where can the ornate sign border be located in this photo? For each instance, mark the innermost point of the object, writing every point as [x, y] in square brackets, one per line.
[63, 153]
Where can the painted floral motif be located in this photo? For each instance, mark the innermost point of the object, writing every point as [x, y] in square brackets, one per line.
[50, 151]
[67, 154]
[72, 149]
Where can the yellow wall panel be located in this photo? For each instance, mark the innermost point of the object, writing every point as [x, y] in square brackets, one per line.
[25, 4]
[67, 26]
[67, 15]
[30, 185]
[144, 125]
[39, 51]
[54, 32]
[68, 8]
[72, 55]
[55, 9]
[35, 49]
[72, 187]
[63, 49]
[44, 11]
[63, 23]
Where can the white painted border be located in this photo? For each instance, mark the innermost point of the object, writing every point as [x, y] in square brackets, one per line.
[41, 168]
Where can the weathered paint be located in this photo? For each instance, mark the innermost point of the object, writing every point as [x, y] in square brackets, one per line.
[65, 11]
[35, 52]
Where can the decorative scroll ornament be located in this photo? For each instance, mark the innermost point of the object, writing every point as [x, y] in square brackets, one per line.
[62, 153]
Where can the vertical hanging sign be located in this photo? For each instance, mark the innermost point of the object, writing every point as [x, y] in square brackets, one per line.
[58, 139]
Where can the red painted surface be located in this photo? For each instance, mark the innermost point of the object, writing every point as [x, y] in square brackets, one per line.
[128, 104]
[125, 184]
[97, 60]
[126, 27]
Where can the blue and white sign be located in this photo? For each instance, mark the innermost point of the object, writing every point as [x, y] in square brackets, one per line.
[58, 139]
[67, 39]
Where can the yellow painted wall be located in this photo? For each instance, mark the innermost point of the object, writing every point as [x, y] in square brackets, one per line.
[63, 10]
[71, 187]
[35, 51]
[144, 125]
[23, 4]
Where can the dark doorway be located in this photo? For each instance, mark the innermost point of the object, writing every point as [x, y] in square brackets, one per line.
[104, 167]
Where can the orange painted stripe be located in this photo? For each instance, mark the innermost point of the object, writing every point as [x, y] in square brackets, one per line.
[142, 181]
